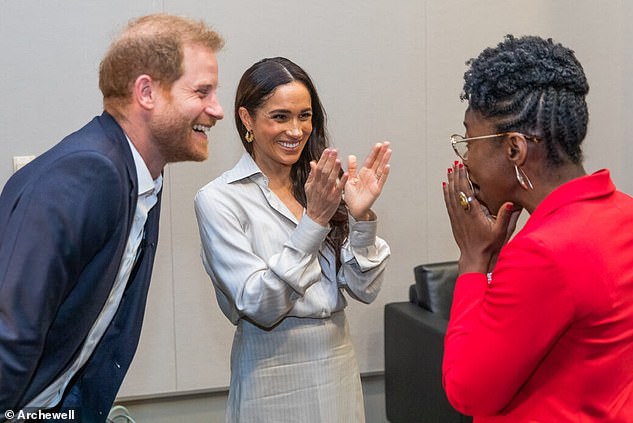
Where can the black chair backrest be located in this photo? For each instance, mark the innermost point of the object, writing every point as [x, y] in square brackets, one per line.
[434, 285]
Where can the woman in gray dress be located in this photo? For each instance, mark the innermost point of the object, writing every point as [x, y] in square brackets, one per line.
[281, 246]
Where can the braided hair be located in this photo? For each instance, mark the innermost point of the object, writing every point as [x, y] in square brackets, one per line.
[534, 86]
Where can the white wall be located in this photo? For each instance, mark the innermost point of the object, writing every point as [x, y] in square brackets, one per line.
[385, 70]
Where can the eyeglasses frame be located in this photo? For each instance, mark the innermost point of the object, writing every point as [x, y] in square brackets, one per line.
[458, 139]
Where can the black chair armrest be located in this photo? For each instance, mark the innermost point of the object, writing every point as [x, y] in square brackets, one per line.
[414, 346]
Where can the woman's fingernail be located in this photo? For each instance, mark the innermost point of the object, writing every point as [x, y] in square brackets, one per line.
[450, 170]
[443, 184]
[461, 165]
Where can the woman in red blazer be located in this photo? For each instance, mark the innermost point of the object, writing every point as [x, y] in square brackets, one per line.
[541, 328]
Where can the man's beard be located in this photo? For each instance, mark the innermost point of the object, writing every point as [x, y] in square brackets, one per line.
[173, 135]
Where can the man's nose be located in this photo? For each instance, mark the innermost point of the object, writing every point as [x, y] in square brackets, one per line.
[214, 108]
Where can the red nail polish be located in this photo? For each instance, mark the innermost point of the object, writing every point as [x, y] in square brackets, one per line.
[456, 162]
[509, 206]
[443, 184]
[450, 170]
[461, 165]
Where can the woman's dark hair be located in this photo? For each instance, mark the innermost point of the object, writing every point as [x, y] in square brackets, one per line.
[256, 86]
[534, 86]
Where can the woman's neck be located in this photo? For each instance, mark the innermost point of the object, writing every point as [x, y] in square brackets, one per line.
[547, 180]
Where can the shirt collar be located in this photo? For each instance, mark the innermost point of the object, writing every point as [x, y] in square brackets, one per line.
[245, 168]
[146, 185]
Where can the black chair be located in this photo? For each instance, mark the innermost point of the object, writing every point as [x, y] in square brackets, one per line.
[414, 346]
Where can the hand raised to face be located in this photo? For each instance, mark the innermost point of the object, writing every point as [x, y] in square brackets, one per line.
[479, 234]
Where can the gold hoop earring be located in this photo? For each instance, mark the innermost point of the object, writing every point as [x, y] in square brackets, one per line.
[523, 179]
[249, 136]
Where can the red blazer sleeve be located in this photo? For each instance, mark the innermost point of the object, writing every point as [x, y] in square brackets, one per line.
[498, 333]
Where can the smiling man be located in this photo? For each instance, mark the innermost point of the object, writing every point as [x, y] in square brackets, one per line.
[79, 224]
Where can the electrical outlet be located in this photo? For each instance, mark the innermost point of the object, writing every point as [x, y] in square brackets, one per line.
[20, 161]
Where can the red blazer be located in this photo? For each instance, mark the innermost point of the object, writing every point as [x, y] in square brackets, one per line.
[550, 339]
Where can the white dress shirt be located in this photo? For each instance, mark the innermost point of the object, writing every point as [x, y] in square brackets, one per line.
[266, 265]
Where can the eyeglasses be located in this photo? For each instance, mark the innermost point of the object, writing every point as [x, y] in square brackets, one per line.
[460, 143]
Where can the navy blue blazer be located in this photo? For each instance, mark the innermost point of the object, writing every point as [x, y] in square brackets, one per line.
[64, 223]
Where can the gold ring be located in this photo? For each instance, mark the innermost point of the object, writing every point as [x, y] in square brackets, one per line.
[464, 200]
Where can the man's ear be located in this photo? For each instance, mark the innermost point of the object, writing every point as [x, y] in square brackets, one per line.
[245, 117]
[517, 148]
[144, 91]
